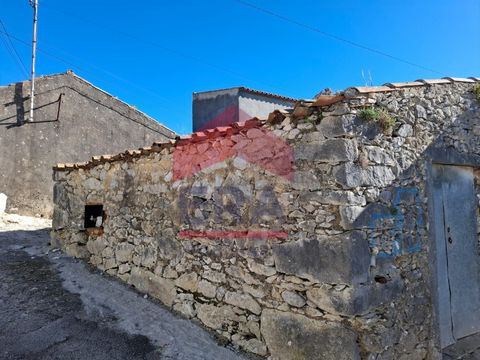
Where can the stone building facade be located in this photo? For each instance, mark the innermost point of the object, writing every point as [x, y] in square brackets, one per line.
[328, 231]
[73, 120]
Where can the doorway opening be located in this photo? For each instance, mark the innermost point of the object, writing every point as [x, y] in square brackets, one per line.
[457, 257]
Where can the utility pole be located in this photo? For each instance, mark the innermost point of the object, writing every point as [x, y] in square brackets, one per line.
[33, 3]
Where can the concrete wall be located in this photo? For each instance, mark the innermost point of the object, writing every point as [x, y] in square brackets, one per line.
[253, 105]
[224, 107]
[73, 121]
[306, 238]
[214, 108]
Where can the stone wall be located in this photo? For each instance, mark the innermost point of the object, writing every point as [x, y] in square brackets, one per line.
[303, 237]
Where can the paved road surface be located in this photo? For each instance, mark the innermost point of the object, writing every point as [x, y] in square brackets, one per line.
[56, 307]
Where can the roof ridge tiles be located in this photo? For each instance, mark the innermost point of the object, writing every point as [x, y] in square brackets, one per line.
[156, 146]
[275, 116]
[372, 89]
[407, 84]
[389, 87]
[457, 79]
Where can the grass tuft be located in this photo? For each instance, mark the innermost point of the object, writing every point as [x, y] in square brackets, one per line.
[476, 91]
[368, 114]
[382, 117]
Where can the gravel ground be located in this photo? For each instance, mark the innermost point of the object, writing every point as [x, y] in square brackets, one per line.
[55, 307]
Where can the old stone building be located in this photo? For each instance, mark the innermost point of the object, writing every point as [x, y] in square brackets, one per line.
[73, 120]
[344, 228]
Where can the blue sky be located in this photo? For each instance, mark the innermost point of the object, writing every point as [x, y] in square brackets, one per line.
[153, 53]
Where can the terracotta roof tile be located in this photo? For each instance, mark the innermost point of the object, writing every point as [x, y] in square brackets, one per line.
[81, 164]
[434, 81]
[467, 80]
[239, 125]
[300, 107]
[200, 135]
[146, 150]
[133, 152]
[164, 144]
[372, 89]
[325, 100]
[184, 137]
[253, 121]
[400, 85]
[276, 117]
[223, 129]
[305, 102]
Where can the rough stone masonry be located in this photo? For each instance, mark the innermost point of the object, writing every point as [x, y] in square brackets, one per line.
[306, 236]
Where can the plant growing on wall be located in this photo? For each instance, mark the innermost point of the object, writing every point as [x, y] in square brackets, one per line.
[386, 121]
[476, 91]
[368, 114]
[313, 119]
[379, 116]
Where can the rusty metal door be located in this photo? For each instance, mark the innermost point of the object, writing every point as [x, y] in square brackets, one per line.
[455, 225]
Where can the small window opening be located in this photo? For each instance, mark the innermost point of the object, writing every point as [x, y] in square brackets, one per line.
[382, 279]
[93, 216]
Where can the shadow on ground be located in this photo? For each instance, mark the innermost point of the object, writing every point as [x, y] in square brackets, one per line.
[39, 319]
[53, 306]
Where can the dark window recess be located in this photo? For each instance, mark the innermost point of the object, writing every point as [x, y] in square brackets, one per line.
[93, 216]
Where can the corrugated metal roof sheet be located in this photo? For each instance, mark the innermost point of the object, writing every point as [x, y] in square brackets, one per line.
[267, 94]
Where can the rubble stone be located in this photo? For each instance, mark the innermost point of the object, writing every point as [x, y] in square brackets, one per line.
[243, 301]
[158, 287]
[297, 337]
[293, 299]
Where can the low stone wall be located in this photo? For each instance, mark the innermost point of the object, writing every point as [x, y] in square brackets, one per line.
[305, 237]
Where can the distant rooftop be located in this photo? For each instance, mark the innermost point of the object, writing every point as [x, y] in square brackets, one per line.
[69, 73]
[251, 91]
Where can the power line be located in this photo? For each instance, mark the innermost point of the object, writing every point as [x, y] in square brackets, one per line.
[10, 36]
[75, 66]
[117, 31]
[335, 37]
[11, 49]
[12, 55]
[83, 69]
[77, 91]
